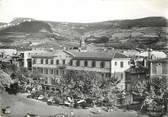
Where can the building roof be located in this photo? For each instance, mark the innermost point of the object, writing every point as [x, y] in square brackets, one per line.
[160, 60]
[136, 70]
[46, 54]
[156, 54]
[97, 55]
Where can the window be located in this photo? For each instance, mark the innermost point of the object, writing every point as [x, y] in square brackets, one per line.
[52, 61]
[29, 54]
[22, 55]
[63, 72]
[102, 74]
[34, 61]
[122, 75]
[115, 63]
[56, 71]
[41, 70]
[63, 62]
[102, 64]
[41, 61]
[93, 63]
[38, 69]
[121, 64]
[108, 74]
[57, 62]
[164, 69]
[46, 71]
[86, 63]
[77, 63]
[70, 63]
[51, 71]
[129, 62]
[154, 68]
[46, 61]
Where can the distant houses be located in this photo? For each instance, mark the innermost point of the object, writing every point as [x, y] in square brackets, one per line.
[145, 66]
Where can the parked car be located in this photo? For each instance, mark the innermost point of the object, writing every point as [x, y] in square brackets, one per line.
[95, 111]
[31, 115]
[59, 115]
[40, 97]
[80, 103]
[6, 110]
[51, 101]
[33, 96]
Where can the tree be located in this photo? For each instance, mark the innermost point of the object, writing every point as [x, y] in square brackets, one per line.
[5, 80]
[159, 86]
[158, 92]
[84, 84]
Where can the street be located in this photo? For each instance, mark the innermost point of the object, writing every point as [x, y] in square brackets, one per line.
[21, 105]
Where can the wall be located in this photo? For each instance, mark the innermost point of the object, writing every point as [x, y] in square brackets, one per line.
[119, 71]
[131, 81]
[59, 55]
[89, 67]
[9, 52]
[159, 68]
[28, 55]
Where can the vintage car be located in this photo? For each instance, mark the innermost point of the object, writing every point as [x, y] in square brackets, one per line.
[59, 115]
[31, 115]
[6, 110]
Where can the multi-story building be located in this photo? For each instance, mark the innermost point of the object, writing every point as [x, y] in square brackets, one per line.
[51, 66]
[26, 55]
[159, 67]
[108, 64]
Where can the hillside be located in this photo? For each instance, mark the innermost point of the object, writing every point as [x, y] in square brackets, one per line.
[142, 33]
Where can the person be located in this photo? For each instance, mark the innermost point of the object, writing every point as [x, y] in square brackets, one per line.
[71, 106]
[72, 113]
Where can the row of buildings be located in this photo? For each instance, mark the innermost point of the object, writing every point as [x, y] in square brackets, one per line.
[133, 70]
[53, 65]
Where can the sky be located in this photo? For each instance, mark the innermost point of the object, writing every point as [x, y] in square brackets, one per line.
[82, 10]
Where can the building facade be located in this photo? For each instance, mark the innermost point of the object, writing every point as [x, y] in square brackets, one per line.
[26, 57]
[108, 64]
[136, 80]
[51, 66]
[159, 67]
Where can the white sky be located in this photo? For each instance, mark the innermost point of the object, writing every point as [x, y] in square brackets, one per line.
[82, 10]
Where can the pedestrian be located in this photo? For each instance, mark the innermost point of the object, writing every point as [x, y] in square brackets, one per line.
[72, 113]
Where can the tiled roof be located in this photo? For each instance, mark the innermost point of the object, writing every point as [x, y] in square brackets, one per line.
[157, 54]
[47, 54]
[160, 60]
[97, 55]
[138, 69]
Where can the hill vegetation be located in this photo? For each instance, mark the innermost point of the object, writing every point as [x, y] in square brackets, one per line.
[141, 33]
